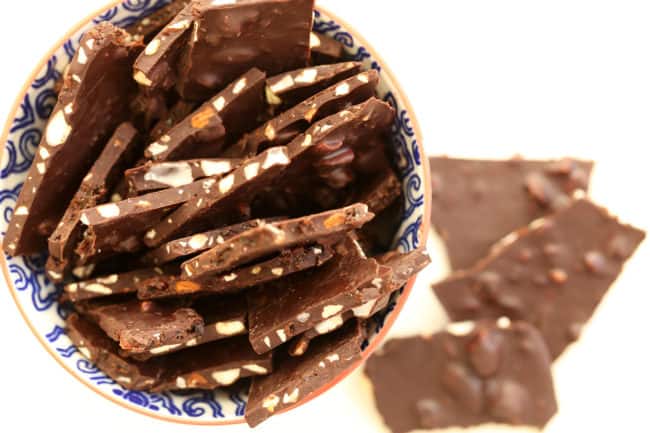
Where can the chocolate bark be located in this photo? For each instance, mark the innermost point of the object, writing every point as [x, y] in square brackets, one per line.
[229, 38]
[552, 274]
[380, 192]
[296, 379]
[179, 111]
[474, 373]
[92, 103]
[146, 28]
[325, 49]
[476, 203]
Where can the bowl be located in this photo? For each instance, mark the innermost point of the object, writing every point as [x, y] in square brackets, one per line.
[36, 296]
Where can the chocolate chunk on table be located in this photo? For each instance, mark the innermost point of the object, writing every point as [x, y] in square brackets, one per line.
[325, 49]
[290, 88]
[278, 312]
[552, 274]
[229, 38]
[145, 326]
[268, 238]
[476, 203]
[293, 122]
[474, 373]
[154, 176]
[119, 151]
[92, 103]
[296, 379]
[226, 203]
[286, 263]
[177, 112]
[146, 28]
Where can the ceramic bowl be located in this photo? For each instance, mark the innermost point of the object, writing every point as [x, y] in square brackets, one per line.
[36, 297]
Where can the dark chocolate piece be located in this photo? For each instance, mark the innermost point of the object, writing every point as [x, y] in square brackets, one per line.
[228, 38]
[268, 238]
[289, 88]
[378, 235]
[92, 103]
[146, 28]
[179, 111]
[296, 379]
[476, 203]
[552, 274]
[379, 193]
[472, 374]
[154, 176]
[325, 49]
[145, 326]
[290, 124]
[108, 285]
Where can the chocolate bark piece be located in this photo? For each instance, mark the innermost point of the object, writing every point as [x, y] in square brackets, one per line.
[476, 203]
[296, 379]
[471, 374]
[552, 274]
[179, 111]
[154, 176]
[229, 38]
[290, 88]
[98, 348]
[146, 28]
[144, 326]
[380, 192]
[92, 103]
[213, 365]
[108, 285]
[225, 203]
[268, 238]
[278, 312]
[155, 67]
[118, 152]
[325, 49]
[293, 122]
[377, 236]
[286, 263]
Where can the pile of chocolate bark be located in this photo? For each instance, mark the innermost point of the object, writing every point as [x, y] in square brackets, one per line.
[216, 195]
[532, 257]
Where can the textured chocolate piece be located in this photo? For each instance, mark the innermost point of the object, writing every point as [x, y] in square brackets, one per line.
[278, 312]
[290, 88]
[552, 274]
[472, 374]
[119, 151]
[177, 112]
[146, 28]
[229, 38]
[296, 379]
[293, 122]
[154, 176]
[325, 49]
[226, 203]
[286, 263]
[145, 326]
[476, 203]
[92, 103]
[269, 238]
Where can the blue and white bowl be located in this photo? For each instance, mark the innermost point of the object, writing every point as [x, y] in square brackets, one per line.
[36, 296]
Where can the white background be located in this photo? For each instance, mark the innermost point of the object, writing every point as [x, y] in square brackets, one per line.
[487, 79]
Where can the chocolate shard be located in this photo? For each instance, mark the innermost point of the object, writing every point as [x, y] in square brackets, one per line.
[477, 202]
[154, 176]
[146, 28]
[296, 379]
[288, 262]
[325, 49]
[229, 38]
[92, 103]
[552, 274]
[278, 312]
[147, 326]
[290, 88]
[293, 122]
[268, 238]
[466, 376]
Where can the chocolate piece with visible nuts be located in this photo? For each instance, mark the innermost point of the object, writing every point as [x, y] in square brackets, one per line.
[325, 49]
[472, 374]
[269, 238]
[229, 38]
[296, 379]
[476, 202]
[146, 28]
[93, 102]
[552, 274]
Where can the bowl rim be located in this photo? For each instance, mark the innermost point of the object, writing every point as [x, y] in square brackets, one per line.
[390, 320]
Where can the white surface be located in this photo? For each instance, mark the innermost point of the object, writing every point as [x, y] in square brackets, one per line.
[487, 79]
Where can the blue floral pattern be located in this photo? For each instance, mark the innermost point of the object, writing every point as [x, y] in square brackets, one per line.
[37, 296]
